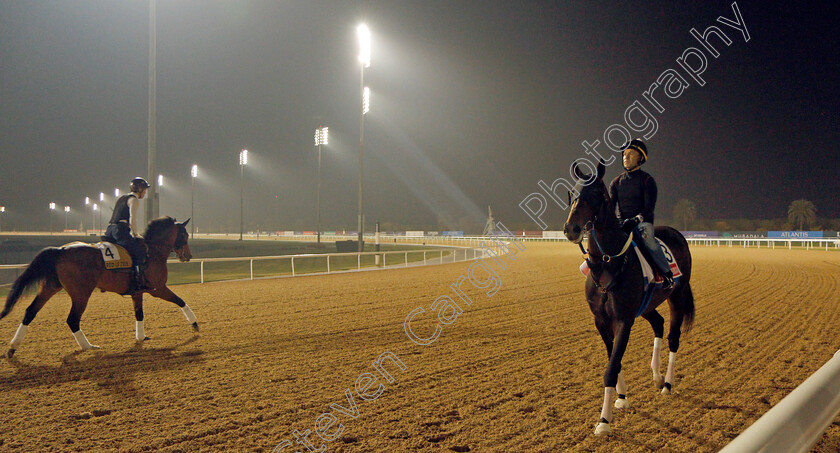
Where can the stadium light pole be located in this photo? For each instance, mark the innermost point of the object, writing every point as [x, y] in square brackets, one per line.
[52, 209]
[194, 174]
[101, 203]
[95, 208]
[87, 203]
[66, 211]
[364, 60]
[2, 210]
[243, 159]
[152, 202]
[321, 138]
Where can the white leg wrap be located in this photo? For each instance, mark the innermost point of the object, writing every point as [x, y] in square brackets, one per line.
[82, 340]
[656, 361]
[19, 336]
[672, 359]
[188, 313]
[621, 388]
[606, 410]
[669, 375]
[139, 331]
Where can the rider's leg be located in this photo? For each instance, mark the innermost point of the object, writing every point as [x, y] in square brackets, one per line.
[656, 253]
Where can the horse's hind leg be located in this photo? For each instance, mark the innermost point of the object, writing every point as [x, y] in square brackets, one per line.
[673, 344]
[80, 297]
[48, 289]
[657, 322]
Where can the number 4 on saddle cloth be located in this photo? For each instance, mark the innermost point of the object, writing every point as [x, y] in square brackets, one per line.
[653, 280]
[115, 256]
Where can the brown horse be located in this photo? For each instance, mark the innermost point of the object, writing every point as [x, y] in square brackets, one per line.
[615, 288]
[80, 269]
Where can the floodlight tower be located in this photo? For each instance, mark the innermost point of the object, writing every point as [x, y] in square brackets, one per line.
[193, 174]
[52, 209]
[364, 60]
[243, 160]
[66, 210]
[321, 138]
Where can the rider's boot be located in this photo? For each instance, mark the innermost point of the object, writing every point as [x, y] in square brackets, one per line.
[669, 280]
[139, 278]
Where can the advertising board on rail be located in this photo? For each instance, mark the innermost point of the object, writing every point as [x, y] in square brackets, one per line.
[795, 234]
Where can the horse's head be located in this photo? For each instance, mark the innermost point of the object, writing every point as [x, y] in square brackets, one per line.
[166, 232]
[181, 246]
[590, 207]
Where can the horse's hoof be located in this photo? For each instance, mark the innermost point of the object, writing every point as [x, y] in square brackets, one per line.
[622, 403]
[659, 381]
[195, 326]
[666, 390]
[144, 339]
[10, 353]
[603, 429]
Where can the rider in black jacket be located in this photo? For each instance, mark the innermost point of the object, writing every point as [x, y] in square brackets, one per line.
[633, 193]
[122, 229]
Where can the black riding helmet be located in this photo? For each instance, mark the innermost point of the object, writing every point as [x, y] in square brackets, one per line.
[639, 146]
[138, 184]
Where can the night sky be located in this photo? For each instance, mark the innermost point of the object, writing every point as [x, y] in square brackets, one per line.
[472, 103]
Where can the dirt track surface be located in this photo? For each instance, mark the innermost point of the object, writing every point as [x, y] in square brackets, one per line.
[518, 371]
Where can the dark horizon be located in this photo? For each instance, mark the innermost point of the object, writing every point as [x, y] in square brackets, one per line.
[470, 107]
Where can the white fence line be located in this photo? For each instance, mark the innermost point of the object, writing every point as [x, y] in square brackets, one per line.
[798, 421]
[439, 251]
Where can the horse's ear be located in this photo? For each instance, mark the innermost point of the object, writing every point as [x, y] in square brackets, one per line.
[578, 174]
[186, 221]
[602, 169]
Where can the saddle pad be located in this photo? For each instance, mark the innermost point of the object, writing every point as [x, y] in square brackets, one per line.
[115, 256]
[675, 268]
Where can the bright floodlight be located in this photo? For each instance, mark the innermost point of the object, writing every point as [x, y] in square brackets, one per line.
[117, 193]
[52, 206]
[101, 196]
[194, 171]
[2, 209]
[243, 157]
[67, 209]
[322, 136]
[87, 201]
[95, 207]
[365, 100]
[160, 180]
[364, 45]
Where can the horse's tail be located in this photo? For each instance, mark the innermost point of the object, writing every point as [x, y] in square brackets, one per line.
[687, 301]
[41, 268]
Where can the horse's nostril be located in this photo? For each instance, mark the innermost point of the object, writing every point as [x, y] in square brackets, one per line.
[577, 229]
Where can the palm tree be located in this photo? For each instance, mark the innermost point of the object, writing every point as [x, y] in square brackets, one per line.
[802, 212]
[685, 211]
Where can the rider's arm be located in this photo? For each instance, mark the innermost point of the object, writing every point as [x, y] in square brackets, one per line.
[614, 197]
[133, 205]
[650, 199]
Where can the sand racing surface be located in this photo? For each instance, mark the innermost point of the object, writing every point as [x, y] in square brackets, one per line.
[519, 371]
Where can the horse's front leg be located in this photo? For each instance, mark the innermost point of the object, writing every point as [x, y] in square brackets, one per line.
[139, 330]
[166, 294]
[611, 376]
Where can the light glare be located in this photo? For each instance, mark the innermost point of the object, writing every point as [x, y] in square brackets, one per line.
[365, 100]
[67, 209]
[243, 157]
[160, 180]
[52, 206]
[364, 45]
[194, 171]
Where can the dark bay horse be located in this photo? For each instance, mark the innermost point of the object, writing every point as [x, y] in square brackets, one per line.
[614, 288]
[79, 269]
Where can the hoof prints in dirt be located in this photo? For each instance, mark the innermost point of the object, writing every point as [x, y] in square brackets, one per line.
[460, 448]
[349, 439]
[88, 415]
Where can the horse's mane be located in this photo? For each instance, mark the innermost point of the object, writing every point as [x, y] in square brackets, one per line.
[156, 227]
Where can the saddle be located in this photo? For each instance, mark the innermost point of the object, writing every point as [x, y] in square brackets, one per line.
[650, 272]
[115, 256]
